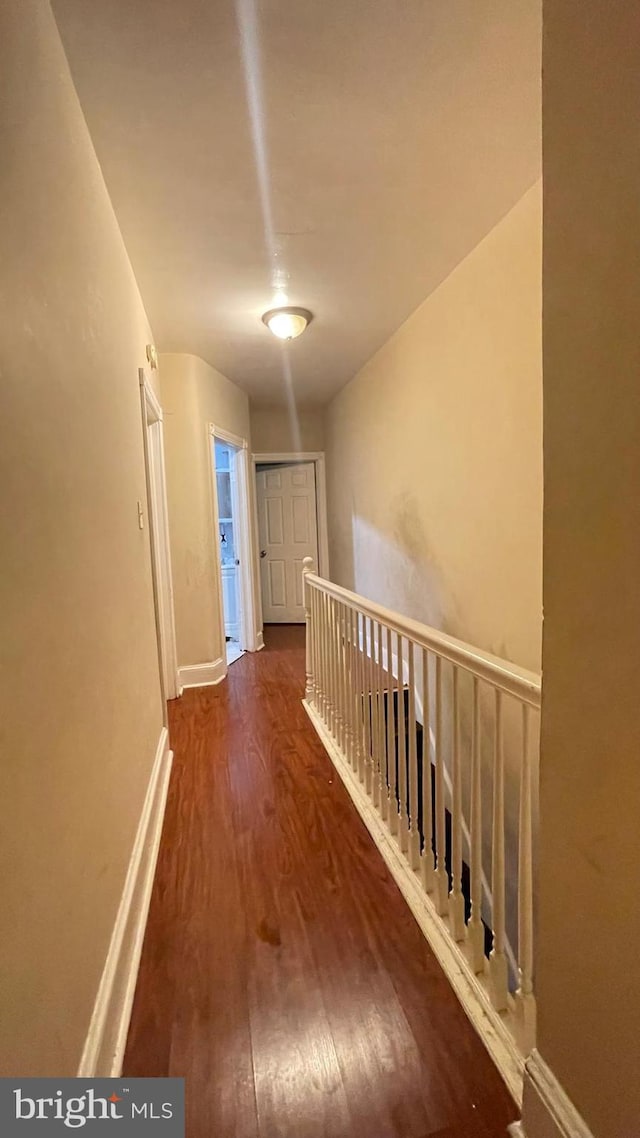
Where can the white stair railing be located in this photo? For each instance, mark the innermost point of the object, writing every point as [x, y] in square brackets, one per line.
[437, 743]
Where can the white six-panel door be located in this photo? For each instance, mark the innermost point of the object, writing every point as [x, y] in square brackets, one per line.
[288, 528]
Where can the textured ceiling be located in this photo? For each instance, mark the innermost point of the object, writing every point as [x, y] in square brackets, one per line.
[346, 154]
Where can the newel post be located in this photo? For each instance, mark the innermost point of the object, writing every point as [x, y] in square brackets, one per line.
[307, 567]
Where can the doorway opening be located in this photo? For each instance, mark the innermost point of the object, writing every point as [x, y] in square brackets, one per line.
[234, 546]
[230, 540]
[291, 509]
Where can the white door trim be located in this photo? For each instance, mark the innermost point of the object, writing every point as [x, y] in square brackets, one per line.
[317, 457]
[228, 437]
[158, 515]
[246, 549]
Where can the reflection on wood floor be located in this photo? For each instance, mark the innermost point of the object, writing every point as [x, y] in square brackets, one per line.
[282, 974]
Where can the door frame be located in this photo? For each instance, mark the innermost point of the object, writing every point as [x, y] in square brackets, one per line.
[158, 515]
[317, 458]
[245, 549]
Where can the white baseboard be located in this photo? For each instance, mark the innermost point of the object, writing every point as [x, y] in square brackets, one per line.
[202, 675]
[107, 1036]
[471, 992]
[259, 641]
[547, 1110]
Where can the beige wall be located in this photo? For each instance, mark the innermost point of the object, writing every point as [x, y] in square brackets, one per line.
[277, 430]
[194, 395]
[81, 710]
[434, 453]
[589, 995]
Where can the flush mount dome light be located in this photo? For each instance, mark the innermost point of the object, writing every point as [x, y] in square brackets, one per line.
[287, 323]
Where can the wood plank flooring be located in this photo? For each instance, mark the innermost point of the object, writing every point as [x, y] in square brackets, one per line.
[282, 974]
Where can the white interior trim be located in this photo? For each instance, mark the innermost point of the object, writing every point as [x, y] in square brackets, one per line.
[158, 514]
[246, 541]
[228, 437]
[318, 458]
[471, 990]
[202, 675]
[104, 1046]
[257, 580]
[548, 1112]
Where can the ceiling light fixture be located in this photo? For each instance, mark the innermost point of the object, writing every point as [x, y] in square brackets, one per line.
[287, 323]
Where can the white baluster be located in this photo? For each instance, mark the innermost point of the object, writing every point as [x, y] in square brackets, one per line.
[351, 690]
[342, 658]
[348, 684]
[322, 605]
[456, 897]
[383, 797]
[414, 832]
[475, 928]
[403, 834]
[441, 876]
[368, 702]
[321, 650]
[391, 743]
[333, 663]
[315, 616]
[361, 689]
[326, 702]
[375, 719]
[327, 603]
[340, 676]
[346, 692]
[348, 677]
[497, 960]
[307, 567]
[319, 692]
[337, 673]
[315, 680]
[525, 999]
[356, 699]
[426, 860]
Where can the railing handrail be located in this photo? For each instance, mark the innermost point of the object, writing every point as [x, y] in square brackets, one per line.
[507, 677]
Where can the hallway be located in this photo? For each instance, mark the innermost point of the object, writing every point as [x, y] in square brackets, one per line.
[282, 973]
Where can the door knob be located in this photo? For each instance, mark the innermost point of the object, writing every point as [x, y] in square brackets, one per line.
[263, 553]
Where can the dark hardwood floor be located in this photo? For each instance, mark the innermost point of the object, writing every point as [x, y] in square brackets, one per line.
[282, 974]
